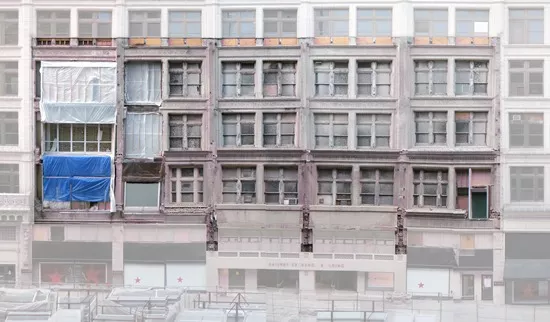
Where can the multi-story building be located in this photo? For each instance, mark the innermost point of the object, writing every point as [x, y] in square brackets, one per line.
[248, 148]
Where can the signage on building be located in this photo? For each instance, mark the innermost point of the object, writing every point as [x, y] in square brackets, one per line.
[304, 265]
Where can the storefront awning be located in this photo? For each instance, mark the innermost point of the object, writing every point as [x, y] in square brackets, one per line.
[527, 268]
[431, 257]
[482, 259]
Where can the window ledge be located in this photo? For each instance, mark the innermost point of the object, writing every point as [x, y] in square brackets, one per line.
[10, 98]
[185, 99]
[264, 99]
[265, 207]
[428, 211]
[526, 98]
[354, 208]
[350, 99]
[452, 97]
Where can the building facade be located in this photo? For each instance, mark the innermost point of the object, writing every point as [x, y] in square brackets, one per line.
[358, 149]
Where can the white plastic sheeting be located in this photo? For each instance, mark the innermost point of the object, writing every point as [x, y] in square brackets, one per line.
[142, 135]
[142, 83]
[83, 92]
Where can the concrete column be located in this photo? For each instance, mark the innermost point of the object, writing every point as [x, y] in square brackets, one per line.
[164, 23]
[356, 186]
[74, 23]
[165, 80]
[352, 78]
[452, 21]
[307, 280]
[400, 276]
[455, 284]
[352, 24]
[260, 184]
[118, 254]
[498, 266]
[361, 279]
[352, 130]
[251, 280]
[259, 129]
[451, 129]
[451, 188]
[259, 22]
[258, 79]
[216, 279]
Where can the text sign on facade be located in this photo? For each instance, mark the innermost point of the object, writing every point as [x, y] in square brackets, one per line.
[305, 266]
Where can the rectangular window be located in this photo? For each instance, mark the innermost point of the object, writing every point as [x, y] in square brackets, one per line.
[142, 135]
[331, 130]
[472, 23]
[374, 78]
[94, 24]
[238, 129]
[431, 128]
[281, 185]
[526, 26]
[334, 187]
[238, 79]
[185, 79]
[468, 292]
[526, 78]
[472, 192]
[431, 22]
[430, 77]
[144, 23]
[279, 79]
[53, 24]
[280, 23]
[141, 195]
[527, 184]
[142, 82]
[185, 131]
[471, 77]
[279, 129]
[430, 188]
[9, 128]
[239, 24]
[9, 178]
[374, 22]
[331, 78]
[8, 233]
[373, 130]
[526, 130]
[9, 78]
[239, 185]
[9, 27]
[78, 137]
[186, 185]
[184, 24]
[471, 128]
[331, 22]
[377, 187]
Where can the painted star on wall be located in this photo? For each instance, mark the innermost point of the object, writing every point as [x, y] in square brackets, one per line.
[92, 275]
[138, 280]
[180, 280]
[55, 277]
[420, 285]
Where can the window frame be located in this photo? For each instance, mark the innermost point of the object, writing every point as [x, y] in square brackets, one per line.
[536, 175]
[280, 82]
[186, 136]
[11, 172]
[250, 118]
[9, 119]
[281, 21]
[7, 22]
[331, 19]
[330, 67]
[239, 21]
[282, 179]
[377, 181]
[442, 190]
[142, 208]
[375, 74]
[145, 21]
[59, 127]
[279, 123]
[331, 135]
[239, 72]
[527, 71]
[184, 23]
[9, 70]
[186, 69]
[197, 182]
[54, 22]
[464, 278]
[472, 132]
[524, 20]
[435, 16]
[95, 21]
[474, 77]
[527, 126]
[335, 181]
[374, 124]
[431, 70]
[472, 17]
[372, 20]
[432, 134]
[239, 178]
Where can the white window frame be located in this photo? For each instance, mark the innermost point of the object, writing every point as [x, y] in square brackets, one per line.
[239, 71]
[8, 119]
[527, 71]
[433, 118]
[371, 16]
[435, 15]
[95, 21]
[430, 70]
[476, 71]
[282, 69]
[331, 18]
[238, 20]
[142, 18]
[373, 72]
[9, 78]
[331, 135]
[536, 175]
[470, 17]
[332, 69]
[442, 192]
[282, 19]
[11, 172]
[54, 21]
[8, 23]
[527, 121]
[197, 181]
[184, 23]
[524, 21]
[53, 144]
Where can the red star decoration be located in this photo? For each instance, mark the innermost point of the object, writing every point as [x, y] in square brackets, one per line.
[92, 275]
[180, 279]
[138, 280]
[420, 285]
[55, 277]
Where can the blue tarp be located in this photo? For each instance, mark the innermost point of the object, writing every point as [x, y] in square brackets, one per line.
[77, 166]
[77, 178]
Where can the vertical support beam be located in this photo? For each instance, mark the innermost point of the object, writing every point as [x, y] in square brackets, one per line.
[121, 111]
[451, 188]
